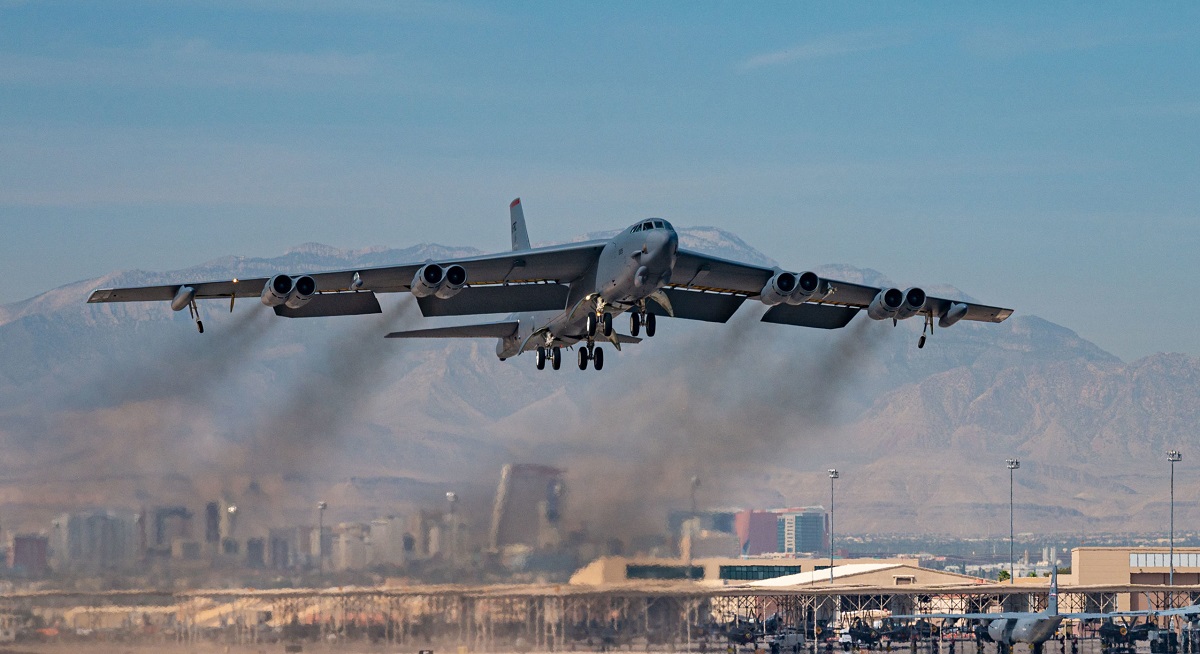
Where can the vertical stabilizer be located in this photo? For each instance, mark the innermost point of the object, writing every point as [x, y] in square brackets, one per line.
[516, 218]
[1052, 599]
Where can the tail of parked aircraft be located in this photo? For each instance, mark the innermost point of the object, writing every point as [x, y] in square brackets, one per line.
[516, 218]
[1052, 599]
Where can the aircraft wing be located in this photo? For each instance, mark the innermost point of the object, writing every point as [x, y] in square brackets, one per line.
[702, 272]
[501, 329]
[560, 263]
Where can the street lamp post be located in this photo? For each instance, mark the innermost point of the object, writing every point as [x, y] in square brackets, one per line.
[833, 474]
[321, 506]
[695, 483]
[1173, 457]
[1012, 464]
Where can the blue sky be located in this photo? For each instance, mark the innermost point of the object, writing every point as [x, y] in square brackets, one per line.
[1039, 157]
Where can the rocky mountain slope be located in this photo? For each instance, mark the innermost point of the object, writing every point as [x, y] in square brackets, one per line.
[125, 405]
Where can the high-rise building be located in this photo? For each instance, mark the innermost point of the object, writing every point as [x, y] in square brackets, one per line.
[528, 507]
[786, 531]
[95, 540]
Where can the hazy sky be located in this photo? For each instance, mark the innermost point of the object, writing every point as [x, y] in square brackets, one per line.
[1045, 158]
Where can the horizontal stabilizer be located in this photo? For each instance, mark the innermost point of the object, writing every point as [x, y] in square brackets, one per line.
[819, 316]
[333, 304]
[695, 305]
[515, 298]
[502, 329]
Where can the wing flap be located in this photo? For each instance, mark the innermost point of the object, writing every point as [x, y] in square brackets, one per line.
[497, 299]
[818, 316]
[333, 304]
[704, 272]
[697, 305]
[502, 329]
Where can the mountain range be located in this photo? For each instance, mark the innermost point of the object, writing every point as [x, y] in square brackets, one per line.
[127, 406]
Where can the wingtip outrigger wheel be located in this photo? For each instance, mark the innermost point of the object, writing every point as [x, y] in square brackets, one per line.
[195, 311]
[928, 325]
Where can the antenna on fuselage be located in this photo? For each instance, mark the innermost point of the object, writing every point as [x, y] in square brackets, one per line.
[516, 220]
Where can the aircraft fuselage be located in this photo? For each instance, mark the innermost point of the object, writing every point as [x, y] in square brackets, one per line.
[631, 267]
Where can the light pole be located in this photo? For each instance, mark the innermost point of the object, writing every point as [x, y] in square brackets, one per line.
[321, 506]
[1174, 457]
[833, 474]
[695, 483]
[1012, 464]
[452, 500]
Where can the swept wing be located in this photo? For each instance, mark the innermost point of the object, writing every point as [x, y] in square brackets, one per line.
[544, 267]
[713, 280]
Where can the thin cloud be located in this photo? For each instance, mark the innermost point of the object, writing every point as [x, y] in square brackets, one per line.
[826, 47]
[191, 62]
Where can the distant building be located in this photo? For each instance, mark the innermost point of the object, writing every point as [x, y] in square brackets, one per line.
[388, 541]
[29, 555]
[95, 540]
[528, 507]
[783, 531]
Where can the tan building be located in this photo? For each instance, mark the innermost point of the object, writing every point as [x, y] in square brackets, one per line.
[1114, 566]
[725, 571]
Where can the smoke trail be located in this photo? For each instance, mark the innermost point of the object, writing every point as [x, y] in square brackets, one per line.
[174, 366]
[305, 427]
[750, 398]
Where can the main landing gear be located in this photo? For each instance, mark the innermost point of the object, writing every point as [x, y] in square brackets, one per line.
[636, 320]
[554, 354]
[591, 353]
[601, 323]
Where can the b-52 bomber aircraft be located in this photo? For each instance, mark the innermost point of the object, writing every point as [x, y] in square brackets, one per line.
[567, 295]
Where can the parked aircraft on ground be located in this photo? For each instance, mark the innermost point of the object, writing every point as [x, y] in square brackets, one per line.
[1035, 628]
[567, 295]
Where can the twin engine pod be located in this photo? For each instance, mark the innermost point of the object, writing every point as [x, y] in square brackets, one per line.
[433, 279]
[293, 292]
[892, 303]
[789, 287]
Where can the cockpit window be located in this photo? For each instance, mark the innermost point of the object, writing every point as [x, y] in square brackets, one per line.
[658, 224]
[635, 229]
[647, 225]
[667, 225]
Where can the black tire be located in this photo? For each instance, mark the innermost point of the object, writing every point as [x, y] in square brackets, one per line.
[556, 357]
[598, 358]
[635, 323]
[591, 325]
[200, 326]
[583, 358]
[650, 325]
[606, 323]
[541, 358]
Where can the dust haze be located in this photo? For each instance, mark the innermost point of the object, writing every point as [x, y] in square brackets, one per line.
[706, 404]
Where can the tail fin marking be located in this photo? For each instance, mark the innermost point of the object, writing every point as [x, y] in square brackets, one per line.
[516, 219]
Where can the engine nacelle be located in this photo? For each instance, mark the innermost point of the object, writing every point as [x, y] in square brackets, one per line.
[183, 297]
[887, 304]
[914, 302]
[452, 282]
[277, 290]
[427, 280]
[955, 313]
[807, 284]
[303, 288]
[779, 288]
[789, 287]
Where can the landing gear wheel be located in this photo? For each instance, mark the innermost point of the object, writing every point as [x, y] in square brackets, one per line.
[541, 358]
[650, 325]
[591, 325]
[556, 357]
[583, 358]
[635, 323]
[606, 324]
[597, 358]
[200, 326]
[921, 342]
